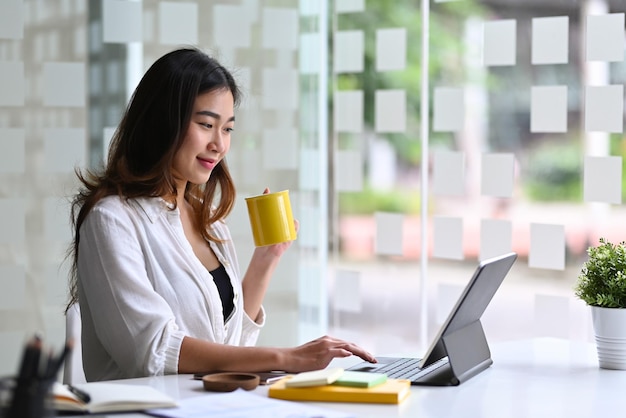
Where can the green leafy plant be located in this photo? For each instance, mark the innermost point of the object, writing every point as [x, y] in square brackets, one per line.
[602, 280]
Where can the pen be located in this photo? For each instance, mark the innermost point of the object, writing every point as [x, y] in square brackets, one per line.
[29, 368]
[58, 362]
[81, 394]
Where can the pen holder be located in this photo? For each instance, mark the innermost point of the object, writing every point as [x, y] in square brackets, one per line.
[28, 398]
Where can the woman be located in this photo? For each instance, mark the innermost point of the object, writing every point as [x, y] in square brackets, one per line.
[154, 268]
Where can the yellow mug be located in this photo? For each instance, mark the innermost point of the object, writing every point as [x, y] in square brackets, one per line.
[271, 218]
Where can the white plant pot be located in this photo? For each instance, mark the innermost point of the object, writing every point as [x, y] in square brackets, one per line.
[609, 325]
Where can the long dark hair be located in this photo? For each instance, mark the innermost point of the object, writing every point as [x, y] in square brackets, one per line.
[149, 135]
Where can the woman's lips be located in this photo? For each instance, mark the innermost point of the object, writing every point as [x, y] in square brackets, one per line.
[208, 163]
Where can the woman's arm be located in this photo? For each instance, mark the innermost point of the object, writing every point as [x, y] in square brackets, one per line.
[203, 356]
[259, 273]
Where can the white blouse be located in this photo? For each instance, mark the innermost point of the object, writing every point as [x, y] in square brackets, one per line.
[141, 289]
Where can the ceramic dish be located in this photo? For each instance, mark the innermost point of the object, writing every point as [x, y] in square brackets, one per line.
[227, 382]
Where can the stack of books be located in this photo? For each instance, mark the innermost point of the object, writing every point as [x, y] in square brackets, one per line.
[337, 385]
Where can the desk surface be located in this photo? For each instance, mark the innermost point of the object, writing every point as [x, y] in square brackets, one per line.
[530, 378]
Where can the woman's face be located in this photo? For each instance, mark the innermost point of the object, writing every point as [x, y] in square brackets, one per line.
[207, 139]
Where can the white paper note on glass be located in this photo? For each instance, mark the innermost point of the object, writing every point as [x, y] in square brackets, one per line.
[448, 109]
[12, 19]
[499, 43]
[448, 237]
[12, 221]
[604, 39]
[389, 236]
[64, 149]
[178, 23]
[550, 40]
[349, 171]
[547, 246]
[64, 84]
[348, 54]
[349, 6]
[56, 226]
[448, 173]
[13, 285]
[280, 88]
[280, 28]
[604, 108]
[225, 34]
[12, 83]
[496, 238]
[348, 111]
[121, 21]
[390, 108]
[497, 175]
[391, 49]
[12, 150]
[603, 179]
[548, 109]
[280, 149]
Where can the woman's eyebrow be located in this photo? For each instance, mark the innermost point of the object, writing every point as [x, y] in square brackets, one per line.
[213, 115]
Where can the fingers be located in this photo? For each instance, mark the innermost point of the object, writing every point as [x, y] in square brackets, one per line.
[352, 349]
[358, 351]
[266, 190]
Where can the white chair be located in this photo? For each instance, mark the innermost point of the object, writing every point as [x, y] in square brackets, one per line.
[73, 368]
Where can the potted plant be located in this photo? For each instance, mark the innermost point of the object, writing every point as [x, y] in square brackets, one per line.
[601, 284]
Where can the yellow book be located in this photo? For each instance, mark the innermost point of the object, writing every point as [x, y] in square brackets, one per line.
[393, 391]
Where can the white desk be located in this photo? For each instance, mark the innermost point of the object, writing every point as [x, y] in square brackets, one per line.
[530, 378]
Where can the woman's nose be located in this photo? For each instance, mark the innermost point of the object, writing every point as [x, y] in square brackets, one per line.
[217, 142]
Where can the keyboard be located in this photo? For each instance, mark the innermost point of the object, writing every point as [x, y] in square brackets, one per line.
[408, 368]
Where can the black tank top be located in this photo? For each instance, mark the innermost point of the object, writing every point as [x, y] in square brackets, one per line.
[222, 281]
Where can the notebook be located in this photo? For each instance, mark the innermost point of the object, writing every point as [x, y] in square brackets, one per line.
[108, 397]
[459, 351]
[392, 391]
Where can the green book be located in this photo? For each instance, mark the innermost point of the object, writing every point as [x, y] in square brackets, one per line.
[361, 379]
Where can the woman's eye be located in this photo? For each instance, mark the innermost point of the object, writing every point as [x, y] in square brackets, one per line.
[229, 129]
[206, 125]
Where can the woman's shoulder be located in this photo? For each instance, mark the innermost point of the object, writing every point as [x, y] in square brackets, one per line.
[114, 204]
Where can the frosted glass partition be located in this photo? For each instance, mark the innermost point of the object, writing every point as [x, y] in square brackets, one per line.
[525, 149]
[43, 137]
[66, 72]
